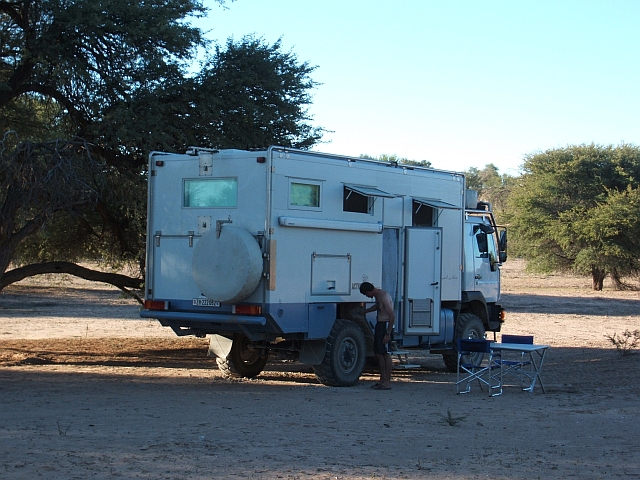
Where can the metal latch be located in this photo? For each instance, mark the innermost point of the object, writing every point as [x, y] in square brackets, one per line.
[206, 163]
[204, 224]
[219, 225]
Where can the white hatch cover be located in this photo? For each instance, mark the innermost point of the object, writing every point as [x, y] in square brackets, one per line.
[227, 268]
[368, 191]
[432, 202]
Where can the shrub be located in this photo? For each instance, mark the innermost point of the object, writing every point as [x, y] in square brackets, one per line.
[626, 343]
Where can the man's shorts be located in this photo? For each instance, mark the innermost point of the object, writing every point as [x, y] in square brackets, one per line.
[378, 338]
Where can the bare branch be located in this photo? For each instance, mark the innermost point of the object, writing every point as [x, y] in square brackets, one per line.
[123, 282]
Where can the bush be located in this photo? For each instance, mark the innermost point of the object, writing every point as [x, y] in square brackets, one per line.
[626, 343]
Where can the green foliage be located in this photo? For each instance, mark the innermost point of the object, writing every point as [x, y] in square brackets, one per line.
[41, 182]
[609, 230]
[87, 56]
[35, 118]
[491, 186]
[252, 94]
[249, 94]
[112, 77]
[395, 159]
[576, 208]
[70, 70]
[109, 230]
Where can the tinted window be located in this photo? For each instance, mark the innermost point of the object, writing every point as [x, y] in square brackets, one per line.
[211, 192]
[422, 215]
[355, 202]
[305, 195]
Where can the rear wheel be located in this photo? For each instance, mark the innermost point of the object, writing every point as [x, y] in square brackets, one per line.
[468, 325]
[345, 355]
[243, 360]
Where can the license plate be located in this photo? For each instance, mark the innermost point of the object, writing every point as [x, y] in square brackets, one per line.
[205, 302]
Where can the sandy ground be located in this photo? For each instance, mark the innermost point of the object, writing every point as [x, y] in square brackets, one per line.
[89, 390]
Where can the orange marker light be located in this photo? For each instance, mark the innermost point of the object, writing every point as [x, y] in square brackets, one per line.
[248, 309]
[156, 305]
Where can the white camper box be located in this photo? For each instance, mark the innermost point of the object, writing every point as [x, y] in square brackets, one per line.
[265, 251]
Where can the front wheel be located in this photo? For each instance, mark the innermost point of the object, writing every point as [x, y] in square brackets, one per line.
[468, 325]
[243, 360]
[345, 355]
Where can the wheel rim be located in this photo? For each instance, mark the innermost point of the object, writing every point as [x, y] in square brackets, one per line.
[248, 355]
[348, 355]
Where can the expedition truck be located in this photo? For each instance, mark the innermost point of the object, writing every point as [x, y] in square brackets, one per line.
[264, 251]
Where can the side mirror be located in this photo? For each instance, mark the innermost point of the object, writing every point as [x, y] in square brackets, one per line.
[502, 246]
[502, 241]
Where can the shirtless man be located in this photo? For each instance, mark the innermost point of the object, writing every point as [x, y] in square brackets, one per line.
[383, 331]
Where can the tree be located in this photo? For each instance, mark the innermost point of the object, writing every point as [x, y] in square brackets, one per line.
[87, 56]
[111, 78]
[609, 232]
[41, 183]
[252, 94]
[65, 66]
[491, 186]
[395, 159]
[576, 208]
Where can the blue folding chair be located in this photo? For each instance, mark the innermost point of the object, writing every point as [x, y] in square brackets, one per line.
[526, 339]
[516, 367]
[476, 361]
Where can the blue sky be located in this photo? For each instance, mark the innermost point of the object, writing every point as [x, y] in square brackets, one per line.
[461, 83]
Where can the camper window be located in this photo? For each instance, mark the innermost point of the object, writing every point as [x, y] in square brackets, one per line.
[422, 215]
[356, 202]
[304, 194]
[211, 193]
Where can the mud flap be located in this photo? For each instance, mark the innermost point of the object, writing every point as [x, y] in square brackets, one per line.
[219, 346]
[312, 351]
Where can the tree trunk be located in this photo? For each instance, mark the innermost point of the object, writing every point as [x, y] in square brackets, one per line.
[618, 284]
[123, 282]
[617, 280]
[597, 278]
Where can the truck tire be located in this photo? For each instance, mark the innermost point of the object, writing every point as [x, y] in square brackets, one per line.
[468, 325]
[344, 357]
[242, 361]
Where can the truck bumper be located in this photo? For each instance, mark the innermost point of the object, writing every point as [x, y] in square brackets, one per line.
[221, 319]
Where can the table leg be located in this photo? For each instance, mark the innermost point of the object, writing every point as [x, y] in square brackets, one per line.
[537, 368]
